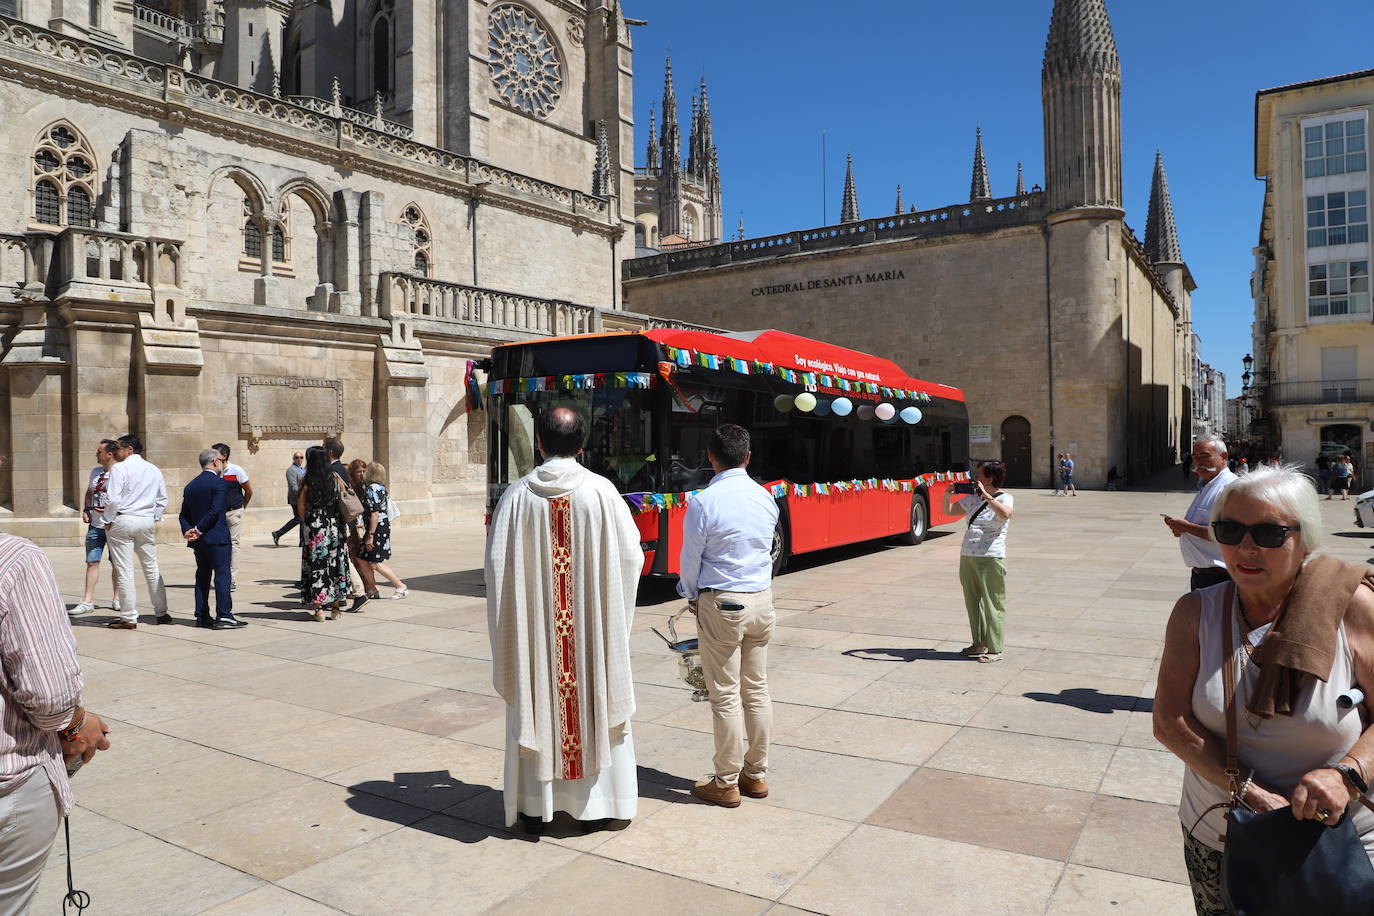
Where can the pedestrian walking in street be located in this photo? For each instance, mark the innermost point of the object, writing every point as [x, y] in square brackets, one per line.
[136, 497]
[295, 476]
[324, 558]
[726, 576]
[375, 535]
[1200, 552]
[206, 530]
[44, 729]
[1066, 475]
[335, 448]
[92, 505]
[562, 566]
[237, 496]
[1277, 647]
[983, 558]
[1323, 475]
[1059, 473]
[1342, 472]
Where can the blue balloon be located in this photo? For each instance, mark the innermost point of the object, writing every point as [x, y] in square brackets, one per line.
[842, 406]
[911, 415]
[822, 408]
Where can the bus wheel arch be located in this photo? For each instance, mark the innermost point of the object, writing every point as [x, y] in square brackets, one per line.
[780, 551]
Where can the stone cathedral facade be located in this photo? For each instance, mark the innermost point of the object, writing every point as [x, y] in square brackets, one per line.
[262, 223]
[677, 204]
[1066, 332]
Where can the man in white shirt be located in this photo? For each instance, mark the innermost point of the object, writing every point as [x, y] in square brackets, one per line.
[236, 498]
[1200, 552]
[726, 575]
[136, 497]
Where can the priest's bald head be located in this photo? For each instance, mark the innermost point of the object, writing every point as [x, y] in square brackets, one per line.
[559, 432]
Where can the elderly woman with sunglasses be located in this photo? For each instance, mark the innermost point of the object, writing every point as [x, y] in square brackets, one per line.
[1302, 633]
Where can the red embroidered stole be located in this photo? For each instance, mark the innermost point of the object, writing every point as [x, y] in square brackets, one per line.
[565, 639]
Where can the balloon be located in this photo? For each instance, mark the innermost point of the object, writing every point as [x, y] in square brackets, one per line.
[842, 406]
[885, 411]
[822, 408]
[805, 402]
[783, 403]
[866, 411]
[911, 415]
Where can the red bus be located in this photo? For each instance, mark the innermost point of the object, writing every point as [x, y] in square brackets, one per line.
[852, 448]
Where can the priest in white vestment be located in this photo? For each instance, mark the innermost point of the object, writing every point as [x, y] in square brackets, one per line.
[563, 562]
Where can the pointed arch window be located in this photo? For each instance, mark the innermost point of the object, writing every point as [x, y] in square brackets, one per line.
[63, 178]
[383, 49]
[281, 234]
[418, 227]
[252, 232]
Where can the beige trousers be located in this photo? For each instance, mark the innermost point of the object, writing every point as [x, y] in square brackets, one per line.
[234, 518]
[29, 818]
[734, 658]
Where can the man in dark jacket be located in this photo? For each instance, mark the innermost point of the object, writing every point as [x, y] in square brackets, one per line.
[207, 533]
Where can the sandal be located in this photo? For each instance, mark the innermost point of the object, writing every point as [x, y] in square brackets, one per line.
[400, 593]
[973, 650]
[334, 612]
[989, 658]
[319, 615]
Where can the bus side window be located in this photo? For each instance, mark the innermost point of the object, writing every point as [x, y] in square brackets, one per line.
[890, 451]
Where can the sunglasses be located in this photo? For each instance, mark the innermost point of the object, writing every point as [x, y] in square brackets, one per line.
[1266, 534]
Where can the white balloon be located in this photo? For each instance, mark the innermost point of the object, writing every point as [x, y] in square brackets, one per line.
[805, 402]
[885, 411]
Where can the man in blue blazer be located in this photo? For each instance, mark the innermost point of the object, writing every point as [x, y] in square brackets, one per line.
[206, 530]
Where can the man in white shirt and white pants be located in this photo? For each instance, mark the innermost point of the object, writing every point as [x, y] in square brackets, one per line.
[726, 575]
[1200, 552]
[136, 497]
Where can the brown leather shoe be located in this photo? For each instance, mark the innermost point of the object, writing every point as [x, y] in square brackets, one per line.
[122, 625]
[708, 790]
[754, 788]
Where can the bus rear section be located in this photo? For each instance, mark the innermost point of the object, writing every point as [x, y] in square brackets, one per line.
[842, 467]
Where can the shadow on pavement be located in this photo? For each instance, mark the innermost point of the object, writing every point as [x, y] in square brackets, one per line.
[466, 583]
[1089, 700]
[905, 655]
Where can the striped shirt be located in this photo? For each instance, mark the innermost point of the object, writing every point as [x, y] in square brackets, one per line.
[41, 687]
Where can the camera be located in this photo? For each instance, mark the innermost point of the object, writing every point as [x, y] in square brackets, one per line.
[965, 488]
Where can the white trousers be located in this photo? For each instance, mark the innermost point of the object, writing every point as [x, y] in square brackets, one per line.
[128, 535]
[28, 822]
[235, 519]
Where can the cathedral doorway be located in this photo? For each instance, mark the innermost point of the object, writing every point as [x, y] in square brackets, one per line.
[1016, 450]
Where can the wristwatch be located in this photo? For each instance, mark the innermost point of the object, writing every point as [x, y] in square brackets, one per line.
[1352, 776]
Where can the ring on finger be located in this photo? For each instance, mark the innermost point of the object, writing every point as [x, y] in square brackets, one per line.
[1323, 814]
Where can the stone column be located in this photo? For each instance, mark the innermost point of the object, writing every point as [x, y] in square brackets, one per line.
[39, 363]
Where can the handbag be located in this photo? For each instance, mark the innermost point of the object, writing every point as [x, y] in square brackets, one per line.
[350, 507]
[1275, 864]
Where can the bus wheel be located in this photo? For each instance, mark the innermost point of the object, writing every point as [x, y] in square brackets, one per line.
[920, 522]
[778, 551]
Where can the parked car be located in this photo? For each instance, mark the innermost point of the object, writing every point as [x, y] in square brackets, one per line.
[1364, 509]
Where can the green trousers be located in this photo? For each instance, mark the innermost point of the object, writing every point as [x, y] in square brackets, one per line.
[985, 596]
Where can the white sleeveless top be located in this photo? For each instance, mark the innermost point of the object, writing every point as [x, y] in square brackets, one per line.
[1282, 749]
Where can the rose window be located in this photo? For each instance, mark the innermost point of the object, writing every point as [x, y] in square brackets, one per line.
[524, 61]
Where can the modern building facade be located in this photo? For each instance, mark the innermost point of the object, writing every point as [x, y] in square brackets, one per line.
[1087, 332]
[1313, 338]
[679, 205]
[263, 223]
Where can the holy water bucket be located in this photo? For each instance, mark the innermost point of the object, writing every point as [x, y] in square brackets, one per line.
[688, 657]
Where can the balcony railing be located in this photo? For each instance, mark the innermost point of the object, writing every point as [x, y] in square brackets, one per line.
[406, 295]
[354, 115]
[1330, 391]
[161, 24]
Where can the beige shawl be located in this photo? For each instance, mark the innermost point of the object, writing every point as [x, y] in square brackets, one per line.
[563, 562]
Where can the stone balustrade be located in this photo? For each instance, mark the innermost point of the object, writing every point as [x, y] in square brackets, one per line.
[353, 115]
[169, 92]
[971, 217]
[20, 261]
[103, 256]
[162, 25]
[410, 296]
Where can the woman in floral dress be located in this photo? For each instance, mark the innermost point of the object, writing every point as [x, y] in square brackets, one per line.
[374, 544]
[324, 558]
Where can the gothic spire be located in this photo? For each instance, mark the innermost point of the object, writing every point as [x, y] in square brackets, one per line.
[708, 144]
[849, 210]
[1080, 39]
[653, 160]
[670, 134]
[1020, 181]
[601, 171]
[981, 187]
[739, 233]
[694, 157]
[1161, 232]
[898, 211]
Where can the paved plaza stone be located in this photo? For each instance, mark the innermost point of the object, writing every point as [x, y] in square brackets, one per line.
[355, 766]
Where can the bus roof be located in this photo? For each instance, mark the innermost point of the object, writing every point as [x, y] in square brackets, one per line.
[783, 349]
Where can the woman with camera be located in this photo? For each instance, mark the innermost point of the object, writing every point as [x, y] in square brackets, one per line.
[983, 557]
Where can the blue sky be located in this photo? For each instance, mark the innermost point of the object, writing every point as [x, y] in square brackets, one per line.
[903, 85]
